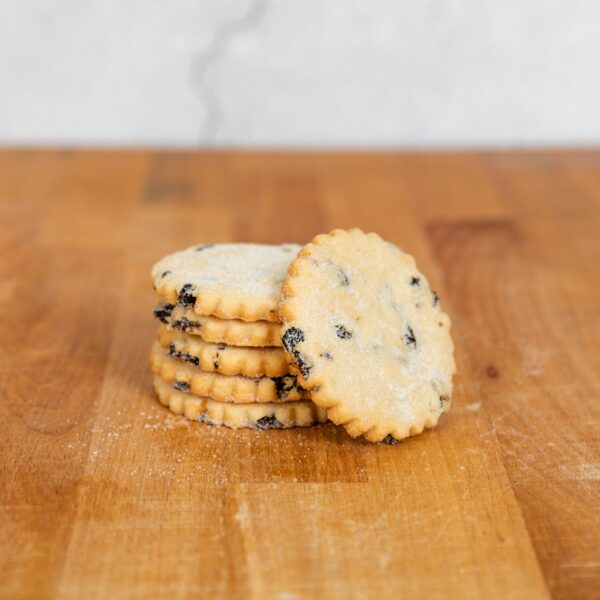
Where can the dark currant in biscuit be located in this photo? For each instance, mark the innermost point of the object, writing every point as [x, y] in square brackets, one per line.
[190, 358]
[181, 386]
[342, 332]
[184, 324]
[326, 356]
[415, 281]
[163, 312]
[443, 400]
[291, 338]
[221, 347]
[284, 385]
[409, 336]
[268, 422]
[303, 365]
[390, 439]
[216, 361]
[436, 298]
[204, 247]
[164, 274]
[343, 278]
[172, 351]
[186, 297]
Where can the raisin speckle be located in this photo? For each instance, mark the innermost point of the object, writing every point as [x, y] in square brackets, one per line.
[172, 351]
[415, 281]
[164, 274]
[268, 422]
[342, 332]
[390, 439]
[181, 386]
[184, 324]
[163, 312]
[303, 365]
[186, 297]
[343, 279]
[326, 356]
[291, 338]
[436, 298]
[204, 247]
[409, 336]
[216, 361]
[443, 400]
[190, 358]
[284, 385]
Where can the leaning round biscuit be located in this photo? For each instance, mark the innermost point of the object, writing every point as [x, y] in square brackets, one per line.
[230, 281]
[220, 358]
[232, 332]
[366, 335]
[224, 388]
[301, 413]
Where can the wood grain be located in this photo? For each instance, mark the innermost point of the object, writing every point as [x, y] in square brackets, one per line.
[105, 494]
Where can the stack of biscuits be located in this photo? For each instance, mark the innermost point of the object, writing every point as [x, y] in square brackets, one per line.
[218, 355]
[345, 329]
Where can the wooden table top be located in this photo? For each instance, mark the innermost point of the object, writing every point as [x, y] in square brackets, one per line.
[106, 494]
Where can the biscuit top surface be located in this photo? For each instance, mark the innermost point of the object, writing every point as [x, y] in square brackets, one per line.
[367, 335]
[227, 280]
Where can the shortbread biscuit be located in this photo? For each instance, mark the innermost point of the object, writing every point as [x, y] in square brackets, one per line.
[230, 281]
[367, 336]
[301, 413]
[220, 358]
[232, 332]
[225, 388]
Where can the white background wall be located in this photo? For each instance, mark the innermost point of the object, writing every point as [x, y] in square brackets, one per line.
[300, 73]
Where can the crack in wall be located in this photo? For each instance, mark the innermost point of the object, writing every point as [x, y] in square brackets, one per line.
[208, 58]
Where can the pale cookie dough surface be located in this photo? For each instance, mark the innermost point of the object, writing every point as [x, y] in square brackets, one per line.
[367, 336]
[255, 416]
[230, 281]
[220, 358]
[225, 388]
[219, 331]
